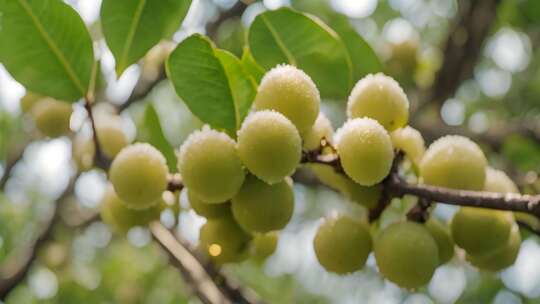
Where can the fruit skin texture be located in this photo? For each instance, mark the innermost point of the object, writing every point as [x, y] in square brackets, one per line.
[498, 181]
[502, 258]
[365, 196]
[83, 152]
[207, 210]
[379, 97]
[291, 92]
[210, 166]
[321, 129]
[28, 101]
[259, 207]
[116, 214]
[441, 235]
[269, 146]
[342, 244]
[263, 246]
[406, 254]
[481, 231]
[365, 150]
[454, 162]
[52, 117]
[224, 241]
[111, 136]
[410, 141]
[139, 175]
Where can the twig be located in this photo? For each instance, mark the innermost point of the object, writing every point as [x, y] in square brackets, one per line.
[236, 11]
[99, 157]
[143, 88]
[420, 211]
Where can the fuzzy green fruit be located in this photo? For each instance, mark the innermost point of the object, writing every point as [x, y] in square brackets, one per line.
[115, 213]
[454, 162]
[365, 151]
[208, 210]
[139, 175]
[441, 234]
[481, 231]
[406, 254]
[379, 97]
[502, 258]
[291, 92]
[28, 101]
[498, 181]
[210, 166]
[111, 136]
[269, 146]
[342, 244]
[410, 141]
[321, 129]
[260, 207]
[224, 241]
[83, 151]
[264, 245]
[52, 117]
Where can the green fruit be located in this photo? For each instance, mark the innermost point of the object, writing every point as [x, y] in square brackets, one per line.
[441, 235]
[481, 231]
[502, 258]
[52, 117]
[224, 241]
[116, 214]
[498, 181]
[365, 151]
[83, 152]
[291, 92]
[111, 136]
[410, 141]
[260, 207]
[454, 162]
[208, 210]
[342, 244]
[269, 146]
[139, 175]
[264, 245]
[210, 166]
[406, 254]
[321, 129]
[28, 101]
[379, 97]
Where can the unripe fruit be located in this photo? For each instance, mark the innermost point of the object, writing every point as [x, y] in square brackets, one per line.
[502, 258]
[115, 213]
[83, 152]
[288, 90]
[342, 244]
[321, 129]
[441, 235]
[454, 162]
[269, 146]
[365, 196]
[28, 101]
[365, 151]
[52, 117]
[498, 181]
[111, 136]
[379, 97]
[481, 231]
[224, 241]
[264, 245]
[210, 166]
[139, 175]
[208, 210]
[260, 207]
[406, 254]
[410, 141]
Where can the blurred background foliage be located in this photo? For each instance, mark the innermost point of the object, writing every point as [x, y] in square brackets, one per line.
[497, 103]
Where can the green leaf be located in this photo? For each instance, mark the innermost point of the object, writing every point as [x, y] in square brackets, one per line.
[251, 66]
[212, 82]
[363, 58]
[153, 134]
[46, 47]
[132, 27]
[287, 36]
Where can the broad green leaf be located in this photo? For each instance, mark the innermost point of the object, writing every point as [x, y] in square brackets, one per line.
[153, 134]
[252, 67]
[363, 58]
[132, 27]
[212, 82]
[287, 36]
[45, 46]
